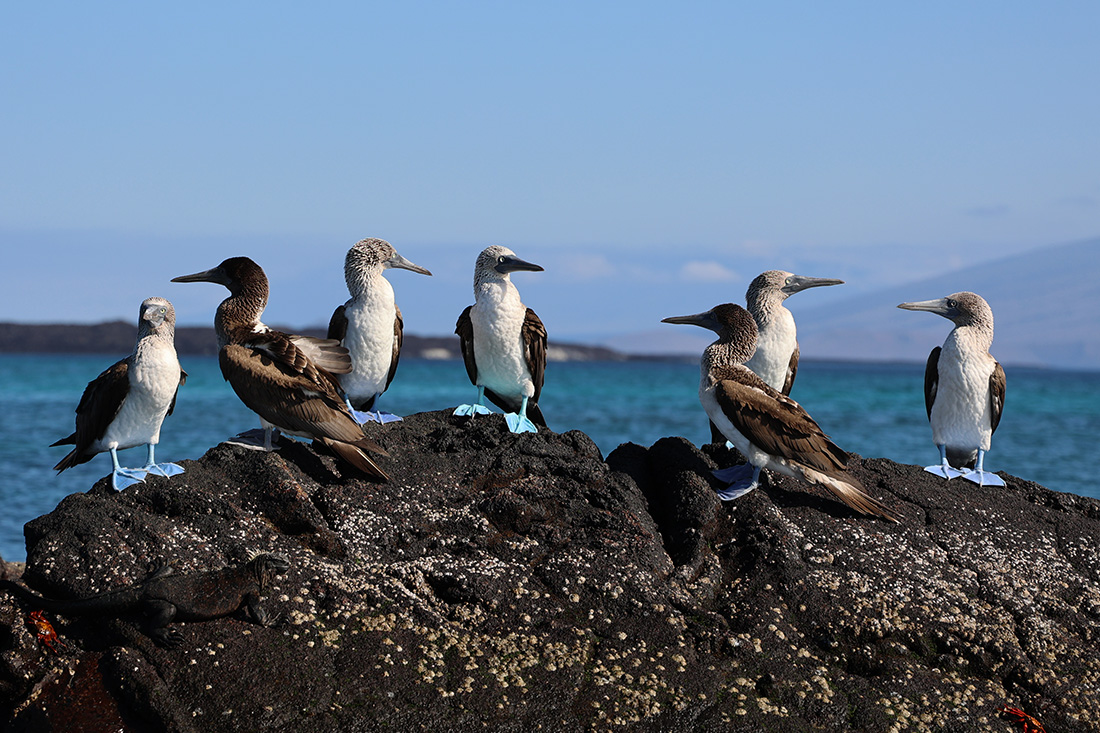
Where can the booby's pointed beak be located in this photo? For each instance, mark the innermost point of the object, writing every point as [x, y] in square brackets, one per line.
[215, 275]
[939, 306]
[798, 283]
[705, 320]
[401, 263]
[511, 263]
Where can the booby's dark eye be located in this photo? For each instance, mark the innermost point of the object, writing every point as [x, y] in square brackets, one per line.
[500, 259]
[952, 303]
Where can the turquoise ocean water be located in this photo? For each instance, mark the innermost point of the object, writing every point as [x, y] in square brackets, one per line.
[1046, 435]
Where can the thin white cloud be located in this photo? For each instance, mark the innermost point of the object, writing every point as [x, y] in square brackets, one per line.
[707, 271]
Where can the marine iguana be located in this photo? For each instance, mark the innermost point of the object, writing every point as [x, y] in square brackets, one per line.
[165, 597]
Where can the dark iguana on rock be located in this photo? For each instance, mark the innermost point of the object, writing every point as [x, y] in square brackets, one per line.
[165, 597]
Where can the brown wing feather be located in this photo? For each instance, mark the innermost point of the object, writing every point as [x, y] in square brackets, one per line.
[398, 334]
[792, 371]
[534, 337]
[338, 324]
[465, 330]
[183, 381]
[296, 401]
[931, 380]
[778, 425]
[98, 406]
[996, 395]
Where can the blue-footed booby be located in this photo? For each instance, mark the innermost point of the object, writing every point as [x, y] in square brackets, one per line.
[964, 388]
[369, 326]
[285, 379]
[770, 429]
[125, 405]
[776, 357]
[503, 343]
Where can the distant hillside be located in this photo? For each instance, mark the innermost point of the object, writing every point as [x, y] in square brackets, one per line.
[118, 337]
[1046, 308]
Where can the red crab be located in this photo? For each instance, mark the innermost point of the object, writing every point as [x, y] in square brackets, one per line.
[1030, 724]
[45, 631]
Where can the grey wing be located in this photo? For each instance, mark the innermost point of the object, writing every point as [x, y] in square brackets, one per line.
[996, 395]
[932, 380]
[465, 330]
[338, 324]
[328, 354]
[100, 403]
[534, 336]
[792, 371]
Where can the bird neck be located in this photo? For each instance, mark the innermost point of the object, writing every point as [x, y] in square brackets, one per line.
[766, 307]
[724, 352]
[239, 314]
[496, 290]
[362, 281]
[976, 336]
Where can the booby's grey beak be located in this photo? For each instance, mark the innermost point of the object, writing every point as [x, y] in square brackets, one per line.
[215, 275]
[797, 283]
[401, 263]
[511, 263]
[940, 306]
[155, 314]
[705, 320]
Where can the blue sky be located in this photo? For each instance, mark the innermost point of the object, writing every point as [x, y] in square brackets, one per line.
[654, 157]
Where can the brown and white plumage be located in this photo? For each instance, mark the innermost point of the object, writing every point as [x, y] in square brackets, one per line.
[503, 341]
[964, 387]
[771, 430]
[288, 380]
[369, 324]
[125, 405]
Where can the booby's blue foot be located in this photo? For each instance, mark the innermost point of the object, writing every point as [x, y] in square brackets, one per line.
[980, 476]
[734, 474]
[984, 478]
[363, 417]
[739, 488]
[164, 469]
[122, 478]
[477, 409]
[944, 469]
[159, 469]
[385, 417]
[472, 410]
[520, 423]
[255, 439]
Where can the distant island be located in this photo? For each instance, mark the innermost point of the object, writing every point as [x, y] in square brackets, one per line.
[117, 337]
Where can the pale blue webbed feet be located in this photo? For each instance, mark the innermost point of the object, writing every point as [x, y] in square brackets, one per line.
[121, 477]
[944, 469]
[739, 487]
[734, 473]
[160, 469]
[378, 417]
[519, 422]
[980, 476]
[478, 409]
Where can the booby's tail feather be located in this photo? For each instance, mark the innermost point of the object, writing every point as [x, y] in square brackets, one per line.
[74, 457]
[851, 492]
[353, 454]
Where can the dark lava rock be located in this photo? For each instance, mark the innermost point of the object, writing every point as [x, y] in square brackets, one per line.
[520, 583]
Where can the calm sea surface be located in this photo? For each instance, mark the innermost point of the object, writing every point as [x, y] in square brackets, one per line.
[1047, 433]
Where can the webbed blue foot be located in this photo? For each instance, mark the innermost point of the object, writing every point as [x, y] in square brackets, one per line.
[256, 439]
[984, 478]
[164, 469]
[520, 423]
[378, 417]
[944, 469]
[122, 478]
[742, 485]
[980, 476]
[734, 473]
[475, 409]
[472, 410]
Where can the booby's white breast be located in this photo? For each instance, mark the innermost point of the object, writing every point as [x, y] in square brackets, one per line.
[775, 343]
[497, 319]
[961, 416]
[154, 375]
[369, 340]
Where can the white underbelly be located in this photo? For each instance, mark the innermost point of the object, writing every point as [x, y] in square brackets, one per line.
[772, 357]
[138, 421]
[369, 341]
[499, 353]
